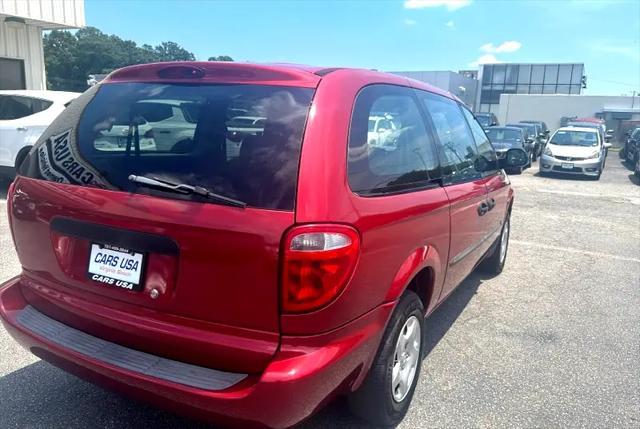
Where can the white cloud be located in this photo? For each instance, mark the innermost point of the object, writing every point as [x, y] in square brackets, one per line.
[450, 24]
[451, 5]
[410, 22]
[508, 46]
[485, 59]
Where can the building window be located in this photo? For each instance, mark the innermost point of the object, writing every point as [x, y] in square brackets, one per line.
[487, 72]
[575, 89]
[524, 75]
[498, 74]
[12, 74]
[511, 75]
[576, 76]
[551, 74]
[537, 74]
[562, 89]
[548, 89]
[564, 74]
[535, 89]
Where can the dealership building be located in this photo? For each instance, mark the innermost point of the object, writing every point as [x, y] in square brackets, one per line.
[21, 25]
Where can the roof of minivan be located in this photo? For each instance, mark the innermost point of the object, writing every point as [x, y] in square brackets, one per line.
[275, 74]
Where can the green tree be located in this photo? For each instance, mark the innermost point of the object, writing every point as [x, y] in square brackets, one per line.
[221, 58]
[71, 58]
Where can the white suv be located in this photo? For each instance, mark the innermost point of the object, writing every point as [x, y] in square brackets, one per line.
[24, 115]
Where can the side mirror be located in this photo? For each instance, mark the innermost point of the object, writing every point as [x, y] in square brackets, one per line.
[607, 145]
[542, 135]
[514, 158]
[610, 131]
[494, 123]
[382, 130]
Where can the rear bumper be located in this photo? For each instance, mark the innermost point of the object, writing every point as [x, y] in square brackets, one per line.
[590, 167]
[304, 374]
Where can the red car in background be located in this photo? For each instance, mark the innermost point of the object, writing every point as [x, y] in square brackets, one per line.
[249, 275]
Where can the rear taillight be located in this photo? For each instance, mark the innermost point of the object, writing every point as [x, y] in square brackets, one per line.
[318, 263]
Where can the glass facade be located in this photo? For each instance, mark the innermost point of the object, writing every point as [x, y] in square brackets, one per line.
[527, 79]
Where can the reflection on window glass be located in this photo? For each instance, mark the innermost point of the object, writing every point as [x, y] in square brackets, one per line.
[512, 74]
[523, 89]
[576, 75]
[485, 150]
[487, 72]
[564, 74]
[524, 74]
[537, 74]
[389, 147]
[551, 74]
[458, 150]
[562, 89]
[499, 72]
[575, 89]
[549, 89]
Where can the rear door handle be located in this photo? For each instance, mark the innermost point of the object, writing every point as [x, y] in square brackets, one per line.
[483, 208]
[21, 128]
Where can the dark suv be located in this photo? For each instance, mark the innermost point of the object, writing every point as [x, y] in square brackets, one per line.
[256, 264]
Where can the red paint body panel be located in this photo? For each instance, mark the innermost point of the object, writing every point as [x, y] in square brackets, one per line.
[304, 373]
[226, 273]
[219, 295]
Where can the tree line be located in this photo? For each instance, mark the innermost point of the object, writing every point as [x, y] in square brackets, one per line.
[71, 57]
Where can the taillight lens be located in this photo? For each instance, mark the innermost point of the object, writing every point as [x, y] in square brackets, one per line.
[318, 263]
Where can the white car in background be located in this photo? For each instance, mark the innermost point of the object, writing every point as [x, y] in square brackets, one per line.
[575, 150]
[381, 131]
[24, 115]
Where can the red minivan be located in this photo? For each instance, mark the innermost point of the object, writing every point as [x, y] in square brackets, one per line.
[243, 243]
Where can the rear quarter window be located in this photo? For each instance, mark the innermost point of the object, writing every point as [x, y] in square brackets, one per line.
[182, 134]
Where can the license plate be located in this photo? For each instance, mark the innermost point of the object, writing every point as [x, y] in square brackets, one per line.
[567, 166]
[115, 266]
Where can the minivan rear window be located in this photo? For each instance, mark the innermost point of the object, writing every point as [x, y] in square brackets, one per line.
[187, 134]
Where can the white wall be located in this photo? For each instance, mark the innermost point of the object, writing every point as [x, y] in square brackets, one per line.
[49, 13]
[550, 108]
[25, 43]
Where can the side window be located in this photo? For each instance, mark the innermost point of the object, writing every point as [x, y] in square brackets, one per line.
[390, 149]
[458, 152]
[15, 107]
[485, 149]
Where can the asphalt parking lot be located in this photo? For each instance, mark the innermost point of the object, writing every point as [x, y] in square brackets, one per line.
[552, 342]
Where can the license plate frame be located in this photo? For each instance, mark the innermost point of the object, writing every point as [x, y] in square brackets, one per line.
[109, 272]
[567, 165]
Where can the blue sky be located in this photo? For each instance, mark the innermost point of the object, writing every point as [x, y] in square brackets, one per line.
[394, 35]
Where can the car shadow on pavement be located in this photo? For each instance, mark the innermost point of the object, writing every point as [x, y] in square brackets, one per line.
[43, 396]
[4, 188]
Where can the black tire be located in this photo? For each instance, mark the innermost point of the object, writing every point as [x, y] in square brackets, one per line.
[373, 402]
[494, 262]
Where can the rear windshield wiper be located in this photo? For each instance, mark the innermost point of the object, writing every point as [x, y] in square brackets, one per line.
[183, 188]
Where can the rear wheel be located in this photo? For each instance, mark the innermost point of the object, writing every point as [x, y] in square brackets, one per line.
[494, 262]
[385, 395]
[636, 170]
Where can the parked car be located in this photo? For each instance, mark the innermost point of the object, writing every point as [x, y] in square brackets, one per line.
[631, 150]
[575, 150]
[382, 132]
[534, 136]
[254, 288]
[24, 115]
[487, 119]
[543, 126]
[505, 138]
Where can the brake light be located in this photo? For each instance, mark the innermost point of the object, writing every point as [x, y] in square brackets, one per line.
[318, 263]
